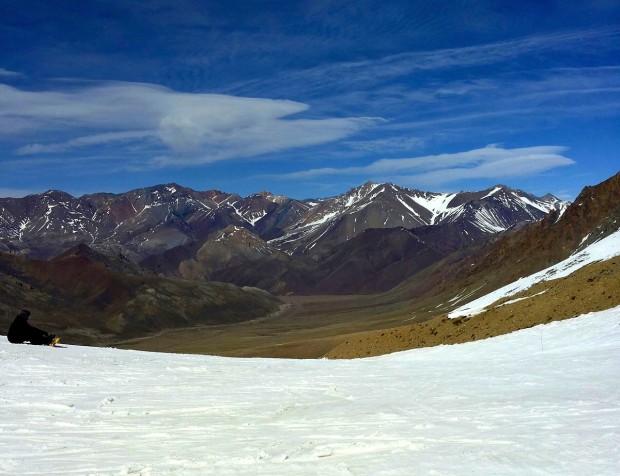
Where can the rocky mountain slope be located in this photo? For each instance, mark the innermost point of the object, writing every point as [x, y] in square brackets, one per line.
[333, 221]
[593, 288]
[282, 244]
[89, 297]
[377, 235]
[148, 221]
[594, 214]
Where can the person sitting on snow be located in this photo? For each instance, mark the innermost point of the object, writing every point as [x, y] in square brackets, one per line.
[20, 331]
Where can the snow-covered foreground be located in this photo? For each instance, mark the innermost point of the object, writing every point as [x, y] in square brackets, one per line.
[544, 400]
[607, 248]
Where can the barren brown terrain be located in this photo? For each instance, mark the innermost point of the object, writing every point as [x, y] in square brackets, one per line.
[593, 288]
[84, 297]
[314, 327]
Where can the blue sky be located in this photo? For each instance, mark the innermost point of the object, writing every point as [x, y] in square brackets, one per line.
[308, 98]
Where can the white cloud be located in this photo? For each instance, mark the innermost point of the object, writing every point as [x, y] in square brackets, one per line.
[85, 141]
[195, 128]
[259, 138]
[492, 161]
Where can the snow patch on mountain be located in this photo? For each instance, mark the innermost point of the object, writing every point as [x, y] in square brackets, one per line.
[361, 193]
[437, 204]
[493, 192]
[607, 248]
[408, 207]
[323, 219]
[488, 221]
[255, 217]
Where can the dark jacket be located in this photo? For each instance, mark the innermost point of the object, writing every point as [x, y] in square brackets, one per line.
[20, 331]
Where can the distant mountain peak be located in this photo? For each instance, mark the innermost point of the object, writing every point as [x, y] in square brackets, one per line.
[272, 197]
[152, 220]
[56, 194]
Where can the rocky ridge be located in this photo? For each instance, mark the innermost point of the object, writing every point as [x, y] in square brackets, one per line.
[301, 246]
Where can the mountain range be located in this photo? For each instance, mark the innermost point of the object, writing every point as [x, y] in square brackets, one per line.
[169, 268]
[342, 244]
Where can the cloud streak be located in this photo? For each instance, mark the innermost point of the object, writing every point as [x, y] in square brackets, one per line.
[8, 74]
[487, 91]
[491, 162]
[345, 76]
[185, 128]
[85, 141]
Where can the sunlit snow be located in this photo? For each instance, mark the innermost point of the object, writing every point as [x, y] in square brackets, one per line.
[545, 400]
[438, 204]
[492, 192]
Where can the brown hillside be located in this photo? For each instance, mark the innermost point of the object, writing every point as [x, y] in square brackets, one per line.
[594, 212]
[520, 252]
[89, 298]
[593, 288]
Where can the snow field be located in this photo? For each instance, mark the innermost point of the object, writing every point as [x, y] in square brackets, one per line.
[544, 400]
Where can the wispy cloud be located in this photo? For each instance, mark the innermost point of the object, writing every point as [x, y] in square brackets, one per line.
[487, 91]
[5, 73]
[85, 141]
[186, 128]
[491, 162]
[492, 108]
[353, 75]
[388, 145]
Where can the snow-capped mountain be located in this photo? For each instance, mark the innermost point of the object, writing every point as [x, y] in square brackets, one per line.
[138, 223]
[333, 221]
[270, 241]
[149, 221]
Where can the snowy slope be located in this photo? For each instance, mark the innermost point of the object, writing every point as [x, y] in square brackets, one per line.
[604, 249]
[545, 400]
